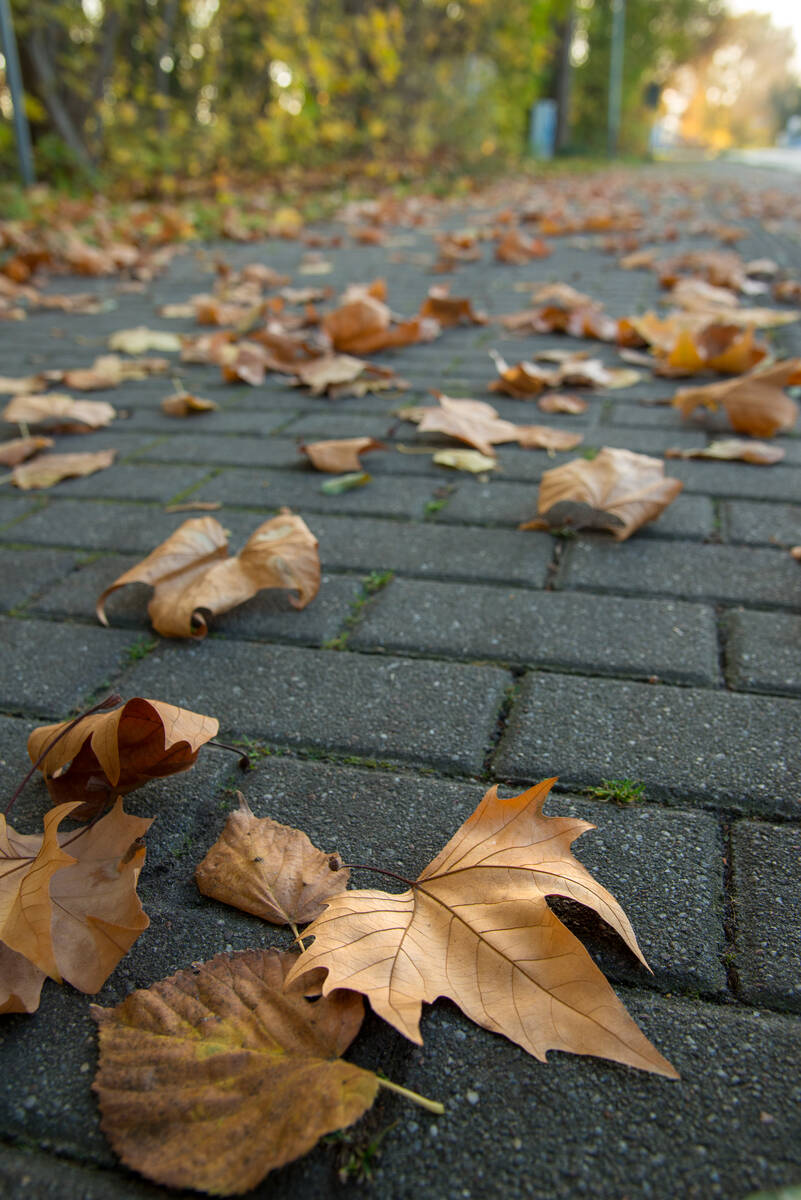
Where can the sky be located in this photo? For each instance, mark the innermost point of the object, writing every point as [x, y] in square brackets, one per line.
[786, 14]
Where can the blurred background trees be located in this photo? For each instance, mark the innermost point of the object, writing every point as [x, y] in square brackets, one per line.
[158, 91]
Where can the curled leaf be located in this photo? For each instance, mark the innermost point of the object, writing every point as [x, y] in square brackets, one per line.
[759, 453]
[465, 460]
[617, 490]
[109, 754]
[192, 573]
[221, 1073]
[270, 870]
[184, 404]
[755, 404]
[450, 310]
[336, 457]
[20, 449]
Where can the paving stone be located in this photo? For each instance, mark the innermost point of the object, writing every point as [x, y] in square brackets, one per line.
[580, 1126]
[99, 525]
[665, 868]
[14, 507]
[760, 524]
[302, 492]
[442, 715]
[26, 1172]
[762, 651]
[697, 572]
[688, 745]
[501, 503]
[224, 450]
[767, 910]
[133, 482]
[23, 573]
[737, 480]
[652, 415]
[50, 668]
[432, 552]
[228, 422]
[327, 424]
[600, 635]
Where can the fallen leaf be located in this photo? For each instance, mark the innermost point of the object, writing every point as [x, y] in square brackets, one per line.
[543, 437]
[140, 340]
[19, 449]
[755, 404]
[339, 456]
[184, 404]
[219, 1074]
[71, 913]
[61, 413]
[270, 870]
[109, 754]
[20, 982]
[49, 469]
[109, 371]
[450, 310]
[345, 483]
[759, 453]
[476, 927]
[22, 384]
[617, 490]
[517, 250]
[465, 460]
[561, 402]
[470, 421]
[192, 573]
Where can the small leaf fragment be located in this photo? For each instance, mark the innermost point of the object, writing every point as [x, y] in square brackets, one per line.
[759, 453]
[184, 404]
[219, 1074]
[339, 455]
[465, 460]
[270, 870]
[345, 483]
[141, 340]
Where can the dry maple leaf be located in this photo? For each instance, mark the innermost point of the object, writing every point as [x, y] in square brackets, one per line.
[49, 469]
[184, 404]
[109, 754]
[19, 449]
[544, 437]
[561, 402]
[755, 404]
[450, 310]
[270, 870]
[68, 902]
[221, 1073]
[336, 457]
[59, 412]
[476, 927]
[192, 573]
[516, 249]
[470, 421]
[759, 453]
[618, 490]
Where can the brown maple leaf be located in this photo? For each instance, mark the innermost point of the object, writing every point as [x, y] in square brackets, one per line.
[618, 490]
[476, 927]
[108, 754]
[450, 310]
[341, 455]
[59, 412]
[68, 903]
[755, 404]
[192, 573]
[269, 869]
[221, 1073]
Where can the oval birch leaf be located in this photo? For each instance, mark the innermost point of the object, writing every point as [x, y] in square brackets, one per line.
[214, 1077]
[618, 489]
[270, 870]
[49, 469]
[476, 927]
[339, 456]
[111, 753]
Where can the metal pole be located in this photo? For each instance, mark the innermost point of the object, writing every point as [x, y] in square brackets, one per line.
[14, 79]
[616, 75]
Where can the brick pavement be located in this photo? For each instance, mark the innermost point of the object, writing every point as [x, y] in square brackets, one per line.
[489, 655]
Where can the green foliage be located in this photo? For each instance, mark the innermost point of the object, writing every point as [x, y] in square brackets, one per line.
[620, 791]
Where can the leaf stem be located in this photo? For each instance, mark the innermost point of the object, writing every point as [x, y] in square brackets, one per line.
[432, 1106]
[110, 702]
[244, 760]
[298, 938]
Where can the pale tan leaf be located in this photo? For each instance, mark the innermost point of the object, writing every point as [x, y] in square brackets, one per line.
[140, 340]
[270, 870]
[340, 455]
[49, 469]
[465, 460]
[20, 982]
[561, 402]
[221, 1073]
[470, 421]
[544, 437]
[759, 453]
[19, 449]
[617, 490]
[60, 412]
[476, 927]
[184, 404]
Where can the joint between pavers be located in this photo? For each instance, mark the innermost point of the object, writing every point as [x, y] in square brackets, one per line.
[179, 497]
[729, 955]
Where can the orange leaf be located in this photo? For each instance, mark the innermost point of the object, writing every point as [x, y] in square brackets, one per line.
[337, 457]
[269, 869]
[755, 403]
[476, 927]
[192, 573]
[450, 310]
[184, 404]
[109, 754]
[221, 1073]
[618, 490]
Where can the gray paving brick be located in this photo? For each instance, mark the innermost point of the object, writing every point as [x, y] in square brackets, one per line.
[301, 491]
[26, 1172]
[665, 868]
[233, 421]
[398, 709]
[738, 480]
[433, 552]
[23, 573]
[99, 525]
[50, 668]
[581, 1127]
[133, 482]
[502, 503]
[14, 507]
[767, 912]
[760, 524]
[325, 423]
[224, 450]
[601, 635]
[763, 651]
[652, 415]
[697, 572]
[686, 744]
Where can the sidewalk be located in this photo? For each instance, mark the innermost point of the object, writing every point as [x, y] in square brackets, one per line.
[489, 655]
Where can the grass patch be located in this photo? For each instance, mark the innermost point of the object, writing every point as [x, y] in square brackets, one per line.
[619, 791]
